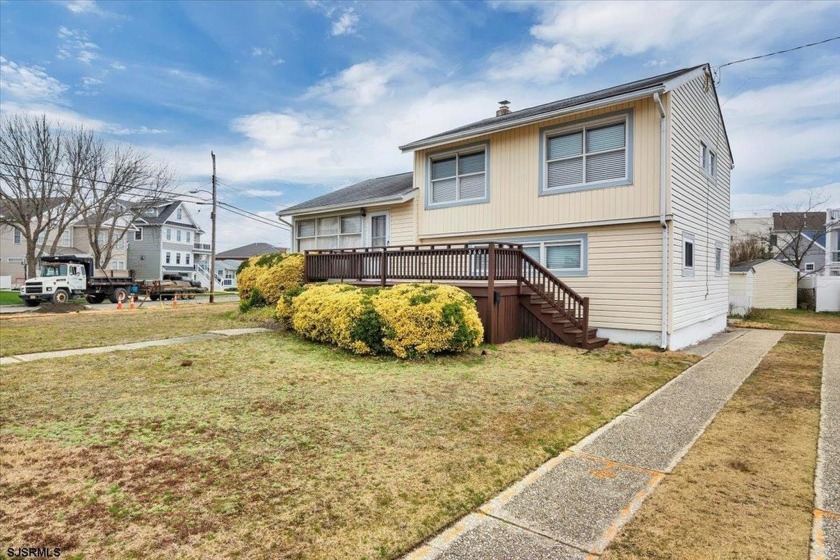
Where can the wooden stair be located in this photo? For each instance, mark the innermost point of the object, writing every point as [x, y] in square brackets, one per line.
[559, 323]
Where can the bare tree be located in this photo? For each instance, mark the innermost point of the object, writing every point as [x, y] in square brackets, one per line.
[748, 249]
[37, 191]
[118, 186]
[796, 233]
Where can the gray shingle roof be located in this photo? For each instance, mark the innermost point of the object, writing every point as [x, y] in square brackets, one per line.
[165, 213]
[247, 251]
[546, 108]
[380, 188]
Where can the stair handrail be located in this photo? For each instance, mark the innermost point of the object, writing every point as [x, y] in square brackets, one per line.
[579, 315]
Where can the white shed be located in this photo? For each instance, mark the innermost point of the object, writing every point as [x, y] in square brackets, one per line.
[763, 284]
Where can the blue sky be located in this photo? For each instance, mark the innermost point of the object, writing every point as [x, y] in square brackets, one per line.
[300, 98]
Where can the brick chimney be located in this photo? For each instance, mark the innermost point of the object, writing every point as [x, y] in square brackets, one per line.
[503, 109]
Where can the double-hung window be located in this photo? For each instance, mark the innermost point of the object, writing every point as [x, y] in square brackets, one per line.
[168, 234]
[178, 258]
[178, 235]
[138, 234]
[168, 257]
[718, 258]
[459, 177]
[590, 155]
[17, 236]
[688, 254]
[708, 160]
[561, 256]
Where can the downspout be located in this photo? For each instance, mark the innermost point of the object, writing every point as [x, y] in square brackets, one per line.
[663, 344]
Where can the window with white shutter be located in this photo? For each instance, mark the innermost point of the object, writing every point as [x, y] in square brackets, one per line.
[459, 177]
[588, 155]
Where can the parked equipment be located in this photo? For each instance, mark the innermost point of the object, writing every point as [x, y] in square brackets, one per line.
[63, 277]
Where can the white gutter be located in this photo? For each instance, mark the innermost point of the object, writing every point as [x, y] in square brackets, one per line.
[496, 126]
[662, 200]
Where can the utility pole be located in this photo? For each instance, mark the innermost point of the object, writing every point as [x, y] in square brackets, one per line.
[213, 234]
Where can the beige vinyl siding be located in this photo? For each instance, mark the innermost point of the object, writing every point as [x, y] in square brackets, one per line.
[514, 174]
[403, 225]
[624, 277]
[700, 206]
[774, 286]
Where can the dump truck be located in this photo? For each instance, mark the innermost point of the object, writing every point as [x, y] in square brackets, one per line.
[61, 278]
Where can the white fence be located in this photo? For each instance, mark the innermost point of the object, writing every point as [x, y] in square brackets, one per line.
[828, 293]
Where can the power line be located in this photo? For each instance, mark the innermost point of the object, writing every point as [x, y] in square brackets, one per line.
[777, 52]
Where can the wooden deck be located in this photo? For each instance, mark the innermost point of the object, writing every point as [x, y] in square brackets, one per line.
[516, 297]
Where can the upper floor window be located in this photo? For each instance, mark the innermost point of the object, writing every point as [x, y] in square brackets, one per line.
[588, 155]
[17, 236]
[708, 159]
[189, 236]
[150, 212]
[177, 235]
[168, 234]
[168, 257]
[186, 258]
[65, 238]
[178, 214]
[138, 234]
[458, 177]
[178, 258]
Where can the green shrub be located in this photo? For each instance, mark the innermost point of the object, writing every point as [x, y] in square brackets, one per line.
[255, 299]
[408, 321]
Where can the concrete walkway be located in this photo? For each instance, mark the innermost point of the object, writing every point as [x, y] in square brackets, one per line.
[826, 535]
[8, 360]
[574, 505]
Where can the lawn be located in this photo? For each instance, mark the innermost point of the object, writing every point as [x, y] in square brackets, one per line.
[745, 490]
[789, 319]
[26, 333]
[269, 446]
[9, 298]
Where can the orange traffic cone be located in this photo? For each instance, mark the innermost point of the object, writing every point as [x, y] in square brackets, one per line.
[131, 301]
[119, 302]
[175, 301]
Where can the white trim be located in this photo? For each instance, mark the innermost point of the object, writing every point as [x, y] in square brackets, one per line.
[496, 127]
[696, 332]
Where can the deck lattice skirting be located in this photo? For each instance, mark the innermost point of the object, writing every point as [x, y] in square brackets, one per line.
[516, 296]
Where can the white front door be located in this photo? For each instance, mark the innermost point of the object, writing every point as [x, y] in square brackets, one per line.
[379, 229]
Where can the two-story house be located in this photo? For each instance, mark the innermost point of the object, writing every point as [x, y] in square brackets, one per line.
[167, 241]
[620, 196]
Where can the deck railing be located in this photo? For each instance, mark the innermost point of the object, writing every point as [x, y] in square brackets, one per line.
[488, 262]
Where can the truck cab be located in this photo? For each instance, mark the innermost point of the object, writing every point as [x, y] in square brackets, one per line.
[57, 281]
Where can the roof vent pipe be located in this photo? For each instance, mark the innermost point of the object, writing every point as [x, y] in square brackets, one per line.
[503, 109]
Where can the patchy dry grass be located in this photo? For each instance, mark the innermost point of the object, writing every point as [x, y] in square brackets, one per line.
[269, 446]
[24, 334]
[790, 319]
[745, 490]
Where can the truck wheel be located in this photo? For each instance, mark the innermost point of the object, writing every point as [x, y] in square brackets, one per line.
[154, 297]
[118, 294]
[61, 296]
[95, 298]
[32, 302]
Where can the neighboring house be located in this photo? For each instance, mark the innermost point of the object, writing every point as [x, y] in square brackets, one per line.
[167, 241]
[743, 229]
[74, 241]
[800, 236]
[623, 194]
[762, 284]
[247, 251]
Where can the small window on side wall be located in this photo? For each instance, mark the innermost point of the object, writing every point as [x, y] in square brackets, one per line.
[688, 254]
[718, 258]
[809, 267]
[708, 160]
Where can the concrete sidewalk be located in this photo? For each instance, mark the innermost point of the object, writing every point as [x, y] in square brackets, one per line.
[8, 360]
[574, 505]
[826, 535]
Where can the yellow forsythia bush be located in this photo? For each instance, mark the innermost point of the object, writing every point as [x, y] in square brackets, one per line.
[428, 318]
[271, 275]
[408, 320]
[283, 275]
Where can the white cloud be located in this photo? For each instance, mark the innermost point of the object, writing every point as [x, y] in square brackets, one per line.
[188, 76]
[83, 7]
[263, 193]
[576, 36]
[346, 24]
[118, 66]
[277, 131]
[76, 44]
[763, 204]
[268, 53]
[22, 82]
